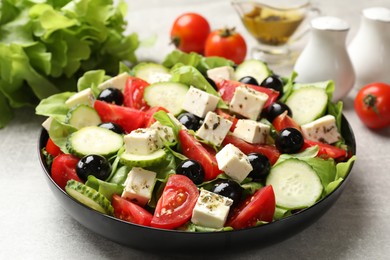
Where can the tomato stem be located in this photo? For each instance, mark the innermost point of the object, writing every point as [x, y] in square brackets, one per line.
[370, 100]
[226, 32]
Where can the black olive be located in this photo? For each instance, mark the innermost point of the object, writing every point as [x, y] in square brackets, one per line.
[289, 140]
[113, 127]
[273, 82]
[95, 165]
[112, 96]
[260, 164]
[228, 188]
[192, 169]
[249, 80]
[190, 121]
[275, 109]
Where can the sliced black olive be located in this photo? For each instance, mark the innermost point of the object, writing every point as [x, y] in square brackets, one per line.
[190, 120]
[95, 165]
[228, 188]
[112, 96]
[289, 140]
[260, 164]
[113, 127]
[192, 169]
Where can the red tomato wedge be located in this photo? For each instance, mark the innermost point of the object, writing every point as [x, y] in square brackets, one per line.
[258, 207]
[174, 208]
[326, 150]
[63, 169]
[194, 150]
[130, 212]
[128, 118]
[134, 93]
[52, 148]
[149, 120]
[283, 121]
[226, 89]
[268, 150]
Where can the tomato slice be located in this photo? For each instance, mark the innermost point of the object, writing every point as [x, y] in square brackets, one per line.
[130, 212]
[174, 208]
[52, 148]
[63, 169]
[326, 150]
[134, 93]
[149, 119]
[268, 150]
[128, 118]
[258, 207]
[283, 121]
[226, 89]
[194, 150]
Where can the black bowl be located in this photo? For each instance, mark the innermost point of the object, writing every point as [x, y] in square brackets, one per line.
[153, 239]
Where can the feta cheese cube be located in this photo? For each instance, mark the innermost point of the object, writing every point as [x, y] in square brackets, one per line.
[234, 163]
[142, 141]
[323, 130]
[248, 102]
[211, 209]
[84, 97]
[251, 131]
[139, 186]
[118, 82]
[165, 133]
[214, 128]
[199, 102]
[221, 73]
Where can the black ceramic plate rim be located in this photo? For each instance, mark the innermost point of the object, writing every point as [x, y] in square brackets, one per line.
[286, 219]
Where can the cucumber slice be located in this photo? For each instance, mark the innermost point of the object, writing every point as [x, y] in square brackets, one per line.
[137, 160]
[295, 183]
[82, 116]
[94, 140]
[254, 68]
[89, 197]
[152, 72]
[307, 104]
[169, 95]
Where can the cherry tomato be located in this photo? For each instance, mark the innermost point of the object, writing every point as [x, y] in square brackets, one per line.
[149, 119]
[130, 212]
[372, 105]
[174, 208]
[134, 93]
[63, 169]
[189, 32]
[258, 207]
[52, 148]
[283, 121]
[327, 151]
[226, 43]
[194, 150]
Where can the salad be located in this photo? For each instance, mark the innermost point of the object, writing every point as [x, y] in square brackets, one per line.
[196, 143]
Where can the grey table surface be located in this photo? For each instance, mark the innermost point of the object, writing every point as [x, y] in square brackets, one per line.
[34, 226]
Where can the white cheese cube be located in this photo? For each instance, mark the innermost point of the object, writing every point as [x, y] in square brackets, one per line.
[84, 97]
[47, 123]
[165, 133]
[118, 82]
[211, 209]
[251, 131]
[142, 141]
[199, 102]
[323, 130]
[234, 163]
[139, 186]
[221, 73]
[214, 128]
[248, 102]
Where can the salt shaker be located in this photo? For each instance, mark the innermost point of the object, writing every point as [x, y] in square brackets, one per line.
[370, 48]
[325, 57]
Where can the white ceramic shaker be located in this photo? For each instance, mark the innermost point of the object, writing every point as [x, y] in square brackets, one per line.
[325, 57]
[370, 48]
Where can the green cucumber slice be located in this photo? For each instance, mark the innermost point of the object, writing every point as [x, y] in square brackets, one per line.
[295, 183]
[307, 104]
[254, 68]
[94, 140]
[89, 197]
[151, 72]
[137, 160]
[169, 95]
[82, 116]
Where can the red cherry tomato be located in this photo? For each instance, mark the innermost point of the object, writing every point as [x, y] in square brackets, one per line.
[327, 151]
[194, 150]
[372, 105]
[174, 208]
[63, 169]
[258, 207]
[226, 43]
[134, 93]
[149, 119]
[130, 212]
[52, 148]
[189, 32]
[283, 121]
